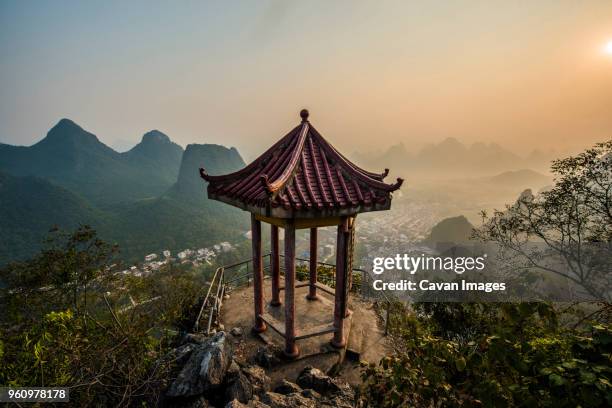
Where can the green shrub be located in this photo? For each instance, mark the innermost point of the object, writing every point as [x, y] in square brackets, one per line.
[494, 356]
[71, 321]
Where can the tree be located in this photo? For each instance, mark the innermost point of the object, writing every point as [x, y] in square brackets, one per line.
[68, 320]
[66, 267]
[567, 230]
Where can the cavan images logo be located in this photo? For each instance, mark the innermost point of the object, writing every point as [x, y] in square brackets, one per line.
[412, 265]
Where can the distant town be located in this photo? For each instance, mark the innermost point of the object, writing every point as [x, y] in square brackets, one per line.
[401, 230]
[194, 257]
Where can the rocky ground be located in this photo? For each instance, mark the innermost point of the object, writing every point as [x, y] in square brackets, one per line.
[209, 376]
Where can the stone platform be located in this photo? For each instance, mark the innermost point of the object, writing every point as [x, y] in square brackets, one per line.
[366, 340]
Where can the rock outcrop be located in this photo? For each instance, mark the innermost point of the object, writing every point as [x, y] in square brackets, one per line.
[205, 370]
[209, 377]
[267, 357]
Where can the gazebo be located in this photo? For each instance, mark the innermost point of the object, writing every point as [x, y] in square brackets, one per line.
[300, 182]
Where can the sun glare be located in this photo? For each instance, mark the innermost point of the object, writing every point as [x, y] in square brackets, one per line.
[608, 48]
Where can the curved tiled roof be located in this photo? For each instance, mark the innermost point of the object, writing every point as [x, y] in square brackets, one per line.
[302, 175]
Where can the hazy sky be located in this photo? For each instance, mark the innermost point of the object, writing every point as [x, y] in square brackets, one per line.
[524, 74]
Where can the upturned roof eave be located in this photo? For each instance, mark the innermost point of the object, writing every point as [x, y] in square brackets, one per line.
[229, 177]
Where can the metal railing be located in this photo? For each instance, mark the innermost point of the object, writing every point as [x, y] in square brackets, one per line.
[218, 279]
[380, 296]
[224, 278]
[239, 274]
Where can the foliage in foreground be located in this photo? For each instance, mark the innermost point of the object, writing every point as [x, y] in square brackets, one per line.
[70, 320]
[492, 355]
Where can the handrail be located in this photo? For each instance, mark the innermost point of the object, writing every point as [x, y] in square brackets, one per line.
[218, 300]
[196, 325]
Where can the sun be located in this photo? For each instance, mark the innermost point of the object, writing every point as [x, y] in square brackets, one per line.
[608, 48]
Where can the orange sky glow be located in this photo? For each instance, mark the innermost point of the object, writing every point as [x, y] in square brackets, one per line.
[372, 74]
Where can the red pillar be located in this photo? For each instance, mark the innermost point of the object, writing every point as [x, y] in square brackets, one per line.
[291, 349]
[260, 325]
[350, 251]
[340, 292]
[275, 264]
[312, 291]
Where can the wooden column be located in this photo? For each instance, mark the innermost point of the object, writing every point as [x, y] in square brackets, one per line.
[275, 264]
[341, 282]
[350, 257]
[260, 325]
[312, 291]
[291, 349]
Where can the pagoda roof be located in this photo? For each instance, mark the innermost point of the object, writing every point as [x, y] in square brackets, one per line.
[302, 176]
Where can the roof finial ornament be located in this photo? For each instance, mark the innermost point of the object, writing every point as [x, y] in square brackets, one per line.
[304, 115]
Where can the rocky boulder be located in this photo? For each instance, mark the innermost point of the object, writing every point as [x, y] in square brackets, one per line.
[267, 357]
[287, 387]
[295, 400]
[315, 389]
[205, 369]
[239, 389]
[250, 404]
[242, 384]
[209, 377]
[181, 354]
[332, 388]
[315, 379]
[258, 379]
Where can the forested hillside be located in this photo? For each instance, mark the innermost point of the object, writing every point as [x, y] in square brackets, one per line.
[147, 199]
[30, 206]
